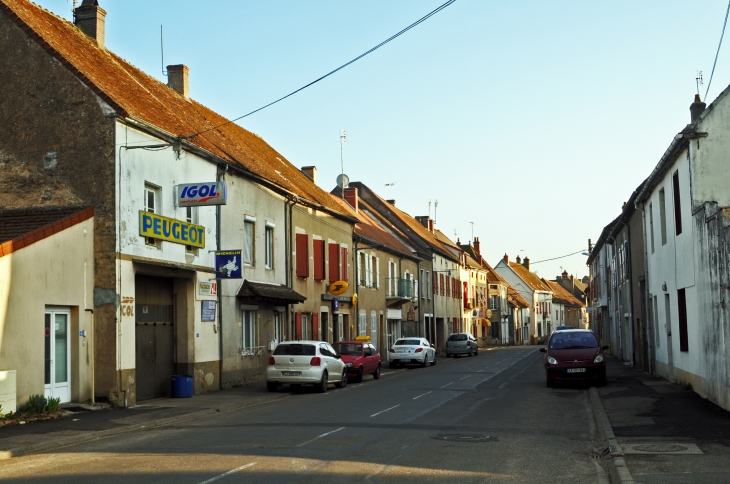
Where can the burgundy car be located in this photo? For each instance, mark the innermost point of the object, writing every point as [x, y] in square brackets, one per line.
[574, 355]
[360, 358]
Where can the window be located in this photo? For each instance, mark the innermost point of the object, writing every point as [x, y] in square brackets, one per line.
[305, 326]
[362, 269]
[318, 255]
[651, 226]
[363, 323]
[494, 302]
[682, 310]
[428, 284]
[663, 216]
[374, 272]
[191, 216]
[421, 289]
[334, 261]
[249, 329]
[373, 326]
[302, 248]
[151, 205]
[677, 205]
[269, 247]
[248, 241]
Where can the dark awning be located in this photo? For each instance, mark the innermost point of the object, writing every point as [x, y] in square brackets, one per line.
[275, 293]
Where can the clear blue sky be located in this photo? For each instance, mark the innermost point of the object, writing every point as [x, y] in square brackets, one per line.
[535, 120]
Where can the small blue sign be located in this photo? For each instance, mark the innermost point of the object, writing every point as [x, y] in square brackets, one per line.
[228, 264]
[335, 304]
[208, 311]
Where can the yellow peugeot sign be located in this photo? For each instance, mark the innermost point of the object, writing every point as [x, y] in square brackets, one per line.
[338, 288]
[158, 227]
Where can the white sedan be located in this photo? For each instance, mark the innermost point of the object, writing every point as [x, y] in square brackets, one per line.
[305, 363]
[410, 351]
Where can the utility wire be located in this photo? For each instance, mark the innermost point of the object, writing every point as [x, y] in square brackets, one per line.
[718, 50]
[562, 256]
[414, 24]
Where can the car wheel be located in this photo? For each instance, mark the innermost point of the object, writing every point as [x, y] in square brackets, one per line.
[272, 386]
[433, 362]
[469, 353]
[322, 385]
[343, 382]
[376, 375]
[358, 376]
[392, 364]
[425, 361]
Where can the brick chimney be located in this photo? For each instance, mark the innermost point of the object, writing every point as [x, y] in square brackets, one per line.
[696, 108]
[505, 258]
[476, 246]
[89, 17]
[351, 197]
[426, 221]
[526, 263]
[311, 172]
[177, 78]
[565, 274]
[518, 259]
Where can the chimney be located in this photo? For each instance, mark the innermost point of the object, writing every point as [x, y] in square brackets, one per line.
[424, 220]
[177, 78]
[351, 197]
[89, 17]
[696, 108]
[505, 258]
[565, 274]
[311, 172]
[518, 259]
[391, 201]
[476, 246]
[430, 225]
[526, 263]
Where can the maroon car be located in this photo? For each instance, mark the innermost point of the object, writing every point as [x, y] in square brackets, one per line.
[360, 358]
[574, 355]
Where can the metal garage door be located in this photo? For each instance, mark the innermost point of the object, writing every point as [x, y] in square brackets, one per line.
[154, 335]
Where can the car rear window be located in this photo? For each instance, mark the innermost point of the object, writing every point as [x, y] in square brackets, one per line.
[457, 337]
[567, 341]
[408, 342]
[349, 349]
[295, 350]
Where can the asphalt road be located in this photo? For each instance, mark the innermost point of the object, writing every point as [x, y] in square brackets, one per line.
[480, 419]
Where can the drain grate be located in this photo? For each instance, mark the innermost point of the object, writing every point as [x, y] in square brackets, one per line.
[600, 455]
[473, 438]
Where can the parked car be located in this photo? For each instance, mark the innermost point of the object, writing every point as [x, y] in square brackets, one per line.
[461, 344]
[305, 363]
[574, 355]
[561, 328]
[411, 351]
[360, 358]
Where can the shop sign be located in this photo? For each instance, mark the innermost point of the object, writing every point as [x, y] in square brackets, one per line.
[199, 194]
[208, 288]
[338, 288]
[335, 304]
[171, 230]
[228, 264]
[208, 311]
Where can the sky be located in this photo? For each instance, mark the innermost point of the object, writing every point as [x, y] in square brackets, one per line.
[534, 120]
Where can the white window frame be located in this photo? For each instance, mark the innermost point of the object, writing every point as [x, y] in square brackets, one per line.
[249, 322]
[363, 323]
[249, 222]
[305, 327]
[191, 216]
[156, 207]
[269, 246]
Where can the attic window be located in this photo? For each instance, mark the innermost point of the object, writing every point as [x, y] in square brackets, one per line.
[492, 286]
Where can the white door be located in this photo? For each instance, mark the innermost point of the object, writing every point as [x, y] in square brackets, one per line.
[58, 355]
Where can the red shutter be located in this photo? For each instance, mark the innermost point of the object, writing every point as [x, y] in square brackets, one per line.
[302, 248]
[298, 324]
[343, 261]
[442, 283]
[318, 249]
[334, 250]
[435, 284]
[315, 326]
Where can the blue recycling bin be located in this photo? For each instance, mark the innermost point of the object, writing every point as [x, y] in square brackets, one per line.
[182, 386]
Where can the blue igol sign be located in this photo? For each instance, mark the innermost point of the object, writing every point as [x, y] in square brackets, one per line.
[171, 230]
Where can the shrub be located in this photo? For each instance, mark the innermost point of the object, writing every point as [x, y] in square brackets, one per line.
[52, 405]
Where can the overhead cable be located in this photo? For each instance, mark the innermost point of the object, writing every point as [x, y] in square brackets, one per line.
[718, 50]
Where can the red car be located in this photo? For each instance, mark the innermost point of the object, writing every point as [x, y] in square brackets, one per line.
[360, 358]
[574, 355]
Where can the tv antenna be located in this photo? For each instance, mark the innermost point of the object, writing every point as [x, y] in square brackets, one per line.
[343, 140]
[162, 54]
[472, 231]
[429, 208]
[435, 207]
[698, 81]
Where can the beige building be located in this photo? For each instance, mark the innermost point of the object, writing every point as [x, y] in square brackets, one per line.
[46, 304]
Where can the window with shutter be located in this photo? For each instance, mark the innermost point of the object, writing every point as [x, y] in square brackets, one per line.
[377, 272]
[315, 326]
[435, 284]
[343, 263]
[298, 326]
[334, 262]
[318, 249]
[302, 247]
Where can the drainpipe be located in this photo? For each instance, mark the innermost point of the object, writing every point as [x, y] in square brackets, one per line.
[93, 357]
[290, 202]
[650, 358]
[220, 289]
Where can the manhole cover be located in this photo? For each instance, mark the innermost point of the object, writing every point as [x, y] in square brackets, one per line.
[660, 448]
[464, 438]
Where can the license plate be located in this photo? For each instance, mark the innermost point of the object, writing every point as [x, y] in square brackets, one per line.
[459, 346]
[291, 373]
[402, 351]
[576, 370]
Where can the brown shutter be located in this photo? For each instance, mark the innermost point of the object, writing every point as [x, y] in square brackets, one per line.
[318, 248]
[343, 262]
[315, 326]
[298, 325]
[435, 284]
[302, 246]
[334, 250]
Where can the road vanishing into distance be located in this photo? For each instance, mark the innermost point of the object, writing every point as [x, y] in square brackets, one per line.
[479, 419]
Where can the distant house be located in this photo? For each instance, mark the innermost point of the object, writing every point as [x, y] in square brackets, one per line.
[567, 309]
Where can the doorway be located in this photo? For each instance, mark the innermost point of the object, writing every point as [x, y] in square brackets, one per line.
[58, 355]
[324, 320]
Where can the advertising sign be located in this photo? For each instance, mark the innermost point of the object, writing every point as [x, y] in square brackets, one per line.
[338, 288]
[171, 230]
[208, 311]
[208, 288]
[199, 194]
[228, 264]
[335, 304]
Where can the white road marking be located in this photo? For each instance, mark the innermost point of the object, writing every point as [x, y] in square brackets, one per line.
[237, 469]
[320, 436]
[419, 396]
[464, 378]
[447, 385]
[383, 411]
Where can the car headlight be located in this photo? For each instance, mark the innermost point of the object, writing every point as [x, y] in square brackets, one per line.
[348, 365]
[598, 359]
[552, 360]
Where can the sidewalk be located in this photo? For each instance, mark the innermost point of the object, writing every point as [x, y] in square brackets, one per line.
[663, 433]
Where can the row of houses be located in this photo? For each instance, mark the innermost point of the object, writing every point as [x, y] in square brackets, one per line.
[659, 270]
[111, 282]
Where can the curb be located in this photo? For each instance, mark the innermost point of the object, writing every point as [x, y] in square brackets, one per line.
[100, 434]
[617, 466]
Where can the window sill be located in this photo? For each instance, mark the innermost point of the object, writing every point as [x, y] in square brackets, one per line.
[253, 351]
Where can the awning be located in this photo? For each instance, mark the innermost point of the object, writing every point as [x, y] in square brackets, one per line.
[274, 293]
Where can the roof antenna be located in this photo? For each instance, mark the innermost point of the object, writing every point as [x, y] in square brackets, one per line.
[698, 81]
[162, 52]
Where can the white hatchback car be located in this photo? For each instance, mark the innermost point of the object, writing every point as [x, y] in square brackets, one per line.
[411, 350]
[305, 363]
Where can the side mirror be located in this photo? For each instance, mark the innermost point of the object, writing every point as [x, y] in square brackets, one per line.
[432, 346]
[543, 350]
[604, 347]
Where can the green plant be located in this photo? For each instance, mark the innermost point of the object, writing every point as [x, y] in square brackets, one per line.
[52, 405]
[35, 404]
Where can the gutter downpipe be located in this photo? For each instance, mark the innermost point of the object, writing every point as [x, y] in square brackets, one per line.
[290, 202]
[218, 217]
[647, 304]
[93, 357]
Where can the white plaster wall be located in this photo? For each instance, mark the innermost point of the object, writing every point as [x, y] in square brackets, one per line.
[711, 177]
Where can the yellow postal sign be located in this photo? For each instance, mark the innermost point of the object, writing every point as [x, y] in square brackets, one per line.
[338, 288]
[171, 230]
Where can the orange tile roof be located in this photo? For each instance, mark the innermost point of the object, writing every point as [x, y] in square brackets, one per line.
[560, 292]
[530, 278]
[22, 227]
[516, 298]
[133, 93]
[492, 275]
[372, 229]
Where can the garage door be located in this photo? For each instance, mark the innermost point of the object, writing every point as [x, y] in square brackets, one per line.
[154, 335]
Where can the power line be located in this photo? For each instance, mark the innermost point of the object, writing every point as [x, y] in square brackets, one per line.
[718, 50]
[562, 256]
[393, 37]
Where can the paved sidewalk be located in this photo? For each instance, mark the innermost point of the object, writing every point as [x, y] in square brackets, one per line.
[666, 434]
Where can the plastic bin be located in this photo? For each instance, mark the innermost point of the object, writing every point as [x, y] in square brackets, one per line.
[182, 386]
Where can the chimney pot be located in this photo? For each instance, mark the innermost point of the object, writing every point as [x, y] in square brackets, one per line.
[477, 246]
[518, 259]
[526, 263]
[351, 197]
[696, 108]
[311, 172]
[90, 18]
[177, 78]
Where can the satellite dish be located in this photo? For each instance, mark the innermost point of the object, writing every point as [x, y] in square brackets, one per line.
[343, 180]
